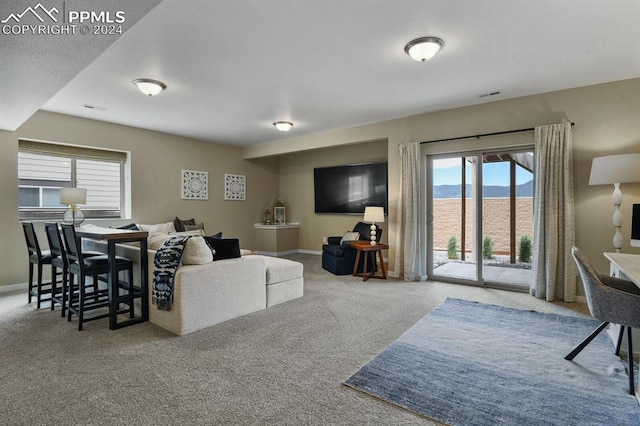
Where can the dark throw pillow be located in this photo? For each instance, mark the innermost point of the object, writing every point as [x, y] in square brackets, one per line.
[225, 248]
[131, 226]
[217, 236]
[179, 224]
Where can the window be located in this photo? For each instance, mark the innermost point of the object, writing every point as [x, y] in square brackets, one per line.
[44, 168]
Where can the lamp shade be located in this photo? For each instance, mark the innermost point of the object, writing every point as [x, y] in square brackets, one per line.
[621, 168]
[73, 196]
[374, 214]
[149, 87]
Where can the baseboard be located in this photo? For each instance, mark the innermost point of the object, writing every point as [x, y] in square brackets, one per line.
[13, 287]
[314, 252]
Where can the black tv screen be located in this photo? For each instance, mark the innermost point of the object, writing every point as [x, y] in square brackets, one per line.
[351, 188]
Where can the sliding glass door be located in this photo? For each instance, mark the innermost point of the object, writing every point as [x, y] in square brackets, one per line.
[480, 218]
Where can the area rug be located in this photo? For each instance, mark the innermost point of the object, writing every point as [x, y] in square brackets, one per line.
[468, 363]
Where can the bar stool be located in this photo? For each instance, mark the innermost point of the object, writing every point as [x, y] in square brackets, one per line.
[85, 298]
[59, 262]
[37, 258]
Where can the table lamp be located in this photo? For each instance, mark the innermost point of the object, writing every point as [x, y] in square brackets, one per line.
[616, 169]
[73, 197]
[373, 215]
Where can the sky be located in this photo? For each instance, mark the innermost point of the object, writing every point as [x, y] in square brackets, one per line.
[447, 172]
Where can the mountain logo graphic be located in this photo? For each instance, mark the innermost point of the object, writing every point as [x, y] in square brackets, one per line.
[33, 11]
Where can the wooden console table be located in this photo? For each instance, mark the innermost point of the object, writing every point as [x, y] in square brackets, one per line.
[369, 250]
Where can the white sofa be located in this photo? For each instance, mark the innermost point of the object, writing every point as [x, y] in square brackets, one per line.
[210, 293]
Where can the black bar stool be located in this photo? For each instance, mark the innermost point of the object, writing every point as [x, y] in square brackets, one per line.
[86, 298]
[59, 262]
[37, 258]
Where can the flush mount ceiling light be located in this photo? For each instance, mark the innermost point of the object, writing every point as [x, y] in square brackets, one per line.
[283, 126]
[149, 87]
[424, 48]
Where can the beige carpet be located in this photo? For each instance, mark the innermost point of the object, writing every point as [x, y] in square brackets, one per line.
[283, 365]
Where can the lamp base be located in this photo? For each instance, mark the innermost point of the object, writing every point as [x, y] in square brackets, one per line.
[373, 234]
[73, 216]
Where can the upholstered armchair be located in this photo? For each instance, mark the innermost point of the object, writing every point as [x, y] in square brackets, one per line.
[339, 257]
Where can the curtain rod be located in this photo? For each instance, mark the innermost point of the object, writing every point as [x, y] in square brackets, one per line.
[483, 135]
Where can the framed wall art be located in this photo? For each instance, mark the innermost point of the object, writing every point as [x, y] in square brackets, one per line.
[195, 185]
[235, 187]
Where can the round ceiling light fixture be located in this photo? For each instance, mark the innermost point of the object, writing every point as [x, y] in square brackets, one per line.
[283, 126]
[424, 48]
[149, 87]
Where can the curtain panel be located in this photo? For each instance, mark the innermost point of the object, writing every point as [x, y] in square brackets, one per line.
[553, 270]
[408, 248]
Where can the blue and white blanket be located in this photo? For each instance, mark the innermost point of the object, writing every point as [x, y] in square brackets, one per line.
[165, 265]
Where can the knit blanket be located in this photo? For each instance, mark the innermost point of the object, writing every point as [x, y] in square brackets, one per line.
[165, 265]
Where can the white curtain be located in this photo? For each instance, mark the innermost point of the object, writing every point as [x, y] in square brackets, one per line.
[554, 273]
[409, 249]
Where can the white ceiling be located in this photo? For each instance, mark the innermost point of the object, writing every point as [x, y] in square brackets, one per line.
[233, 67]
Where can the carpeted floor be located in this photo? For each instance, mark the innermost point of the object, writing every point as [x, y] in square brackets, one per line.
[469, 363]
[284, 365]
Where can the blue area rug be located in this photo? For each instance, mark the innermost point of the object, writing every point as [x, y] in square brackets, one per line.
[468, 363]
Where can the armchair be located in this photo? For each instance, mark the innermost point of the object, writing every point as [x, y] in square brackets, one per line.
[339, 258]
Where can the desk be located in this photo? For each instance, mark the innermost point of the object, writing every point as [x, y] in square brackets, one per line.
[366, 247]
[628, 264]
[112, 237]
[625, 266]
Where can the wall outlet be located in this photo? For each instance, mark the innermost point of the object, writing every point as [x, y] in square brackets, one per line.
[324, 240]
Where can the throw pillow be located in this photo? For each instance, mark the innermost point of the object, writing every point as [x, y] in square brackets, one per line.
[218, 235]
[165, 228]
[350, 236]
[131, 226]
[225, 248]
[179, 224]
[199, 226]
[198, 232]
[197, 252]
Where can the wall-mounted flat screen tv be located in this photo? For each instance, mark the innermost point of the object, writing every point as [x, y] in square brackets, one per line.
[350, 188]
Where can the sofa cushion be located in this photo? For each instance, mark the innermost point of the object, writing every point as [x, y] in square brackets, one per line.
[280, 270]
[163, 228]
[197, 252]
[179, 223]
[225, 248]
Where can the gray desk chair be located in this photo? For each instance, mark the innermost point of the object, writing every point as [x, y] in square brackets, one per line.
[610, 300]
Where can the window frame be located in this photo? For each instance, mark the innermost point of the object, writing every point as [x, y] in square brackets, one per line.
[73, 153]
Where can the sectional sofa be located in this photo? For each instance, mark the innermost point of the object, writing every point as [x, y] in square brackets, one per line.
[210, 292]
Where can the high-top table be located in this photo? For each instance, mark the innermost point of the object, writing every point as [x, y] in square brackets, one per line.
[112, 237]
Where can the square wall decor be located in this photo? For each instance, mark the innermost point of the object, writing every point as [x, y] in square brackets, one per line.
[195, 185]
[235, 187]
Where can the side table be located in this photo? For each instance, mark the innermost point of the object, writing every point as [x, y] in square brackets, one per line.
[369, 250]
